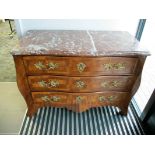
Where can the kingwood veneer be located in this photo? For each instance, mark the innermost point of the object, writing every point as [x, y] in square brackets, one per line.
[78, 69]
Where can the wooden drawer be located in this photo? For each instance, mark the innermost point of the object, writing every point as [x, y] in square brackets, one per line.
[46, 65]
[110, 98]
[81, 84]
[103, 66]
[80, 66]
[100, 98]
[49, 83]
[53, 98]
[80, 99]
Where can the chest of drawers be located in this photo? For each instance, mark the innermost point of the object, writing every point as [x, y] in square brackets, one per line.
[78, 70]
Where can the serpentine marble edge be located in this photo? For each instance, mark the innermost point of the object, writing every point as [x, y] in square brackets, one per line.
[79, 43]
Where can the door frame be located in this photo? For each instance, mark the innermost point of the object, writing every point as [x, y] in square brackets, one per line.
[140, 28]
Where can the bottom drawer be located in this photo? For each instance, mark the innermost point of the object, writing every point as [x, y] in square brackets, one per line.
[85, 100]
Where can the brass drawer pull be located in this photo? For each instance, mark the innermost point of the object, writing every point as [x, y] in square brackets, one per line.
[118, 66]
[52, 83]
[51, 99]
[79, 99]
[80, 84]
[51, 65]
[101, 98]
[111, 98]
[81, 66]
[108, 99]
[39, 65]
[111, 84]
[43, 83]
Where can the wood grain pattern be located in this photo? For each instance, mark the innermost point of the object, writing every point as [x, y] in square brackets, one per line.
[81, 84]
[111, 79]
[61, 69]
[94, 66]
[23, 84]
[78, 69]
[86, 100]
[138, 73]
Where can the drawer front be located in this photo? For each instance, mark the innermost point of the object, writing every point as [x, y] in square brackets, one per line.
[80, 66]
[46, 65]
[110, 98]
[81, 84]
[103, 66]
[54, 98]
[99, 98]
[80, 99]
[48, 83]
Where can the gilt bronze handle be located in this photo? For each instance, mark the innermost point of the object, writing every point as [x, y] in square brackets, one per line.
[39, 65]
[81, 66]
[51, 65]
[111, 98]
[51, 99]
[117, 66]
[43, 83]
[79, 99]
[101, 98]
[52, 83]
[111, 84]
[106, 99]
[80, 84]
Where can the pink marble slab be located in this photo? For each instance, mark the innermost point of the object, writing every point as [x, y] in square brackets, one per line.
[79, 43]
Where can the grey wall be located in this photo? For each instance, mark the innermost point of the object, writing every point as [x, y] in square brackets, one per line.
[23, 25]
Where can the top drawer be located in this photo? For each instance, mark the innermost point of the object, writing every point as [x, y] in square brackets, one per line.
[46, 65]
[80, 66]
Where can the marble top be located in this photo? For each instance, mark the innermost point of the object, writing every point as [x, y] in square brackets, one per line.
[79, 43]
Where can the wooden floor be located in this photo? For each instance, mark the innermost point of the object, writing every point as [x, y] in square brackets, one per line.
[147, 83]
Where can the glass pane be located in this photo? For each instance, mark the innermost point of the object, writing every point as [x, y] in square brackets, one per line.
[148, 76]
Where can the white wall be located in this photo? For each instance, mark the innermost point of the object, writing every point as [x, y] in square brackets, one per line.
[23, 25]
